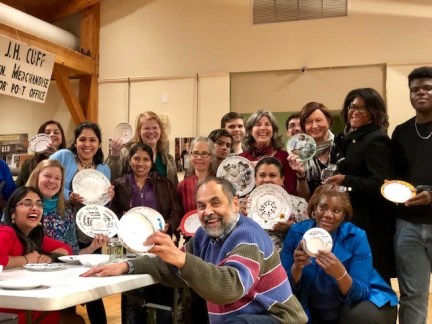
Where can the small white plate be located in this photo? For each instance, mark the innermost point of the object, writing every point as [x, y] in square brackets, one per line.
[269, 204]
[153, 216]
[134, 229]
[20, 284]
[93, 260]
[303, 145]
[96, 219]
[93, 186]
[39, 143]
[43, 266]
[124, 131]
[316, 239]
[240, 172]
[398, 191]
[190, 223]
[71, 259]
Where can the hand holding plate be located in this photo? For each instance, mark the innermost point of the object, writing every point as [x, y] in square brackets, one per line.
[330, 264]
[98, 241]
[295, 163]
[283, 227]
[165, 249]
[301, 258]
[75, 198]
[421, 199]
[116, 146]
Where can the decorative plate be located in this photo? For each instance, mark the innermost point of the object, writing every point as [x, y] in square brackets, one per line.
[317, 239]
[398, 191]
[153, 216]
[43, 266]
[40, 142]
[96, 219]
[190, 223]
[240, 172]
[20, 284]
[93, 186]
[302, 145]
[134, 229]
[269, 204]
[124, 131]
[71, 259]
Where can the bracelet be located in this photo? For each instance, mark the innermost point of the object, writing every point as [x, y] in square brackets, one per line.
[301, 178]
[25, 259]
[344, 274]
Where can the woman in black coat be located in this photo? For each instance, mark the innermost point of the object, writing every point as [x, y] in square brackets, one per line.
[367, 160]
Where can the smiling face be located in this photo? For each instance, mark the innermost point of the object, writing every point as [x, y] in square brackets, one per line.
[55, 134]
[262, 131]
[421, 95]
[27, 218]
[268, 173]
[87, 145]
[216, 213]
[140, 163]
[236, 128]
[49, 181]
[329, 212]
[358, 115]
[150, 132]
[293, 127]
[317, 125]
[198, 162]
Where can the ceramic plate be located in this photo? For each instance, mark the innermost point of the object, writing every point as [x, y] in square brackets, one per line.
[190, 223]
[269, 204]
[43, 266]
[302, 145]
[39, 143]
[20, 284]
[71, 259]
[317, 239]
[240, 172]
[398, 191]
[93, 186]
[95, 219]
[153, 216]
[124, 131]
[134, 229]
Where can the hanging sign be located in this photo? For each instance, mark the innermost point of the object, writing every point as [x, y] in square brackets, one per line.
[25, 71]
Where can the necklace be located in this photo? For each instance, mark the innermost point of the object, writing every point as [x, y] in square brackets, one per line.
[422, 137]
[85, 165]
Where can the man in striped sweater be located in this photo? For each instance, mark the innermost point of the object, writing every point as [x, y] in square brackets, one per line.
[231, 263]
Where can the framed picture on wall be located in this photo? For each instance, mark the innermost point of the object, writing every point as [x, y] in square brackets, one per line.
[182, 153]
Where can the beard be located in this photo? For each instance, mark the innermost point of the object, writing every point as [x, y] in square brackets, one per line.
[224, 225]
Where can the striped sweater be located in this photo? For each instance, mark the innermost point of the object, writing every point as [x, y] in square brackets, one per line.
[241, 274]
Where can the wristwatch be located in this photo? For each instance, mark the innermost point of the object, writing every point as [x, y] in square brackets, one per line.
[131, 267]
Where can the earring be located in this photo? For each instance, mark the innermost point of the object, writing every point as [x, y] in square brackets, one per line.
[13, 219]
[40, 224]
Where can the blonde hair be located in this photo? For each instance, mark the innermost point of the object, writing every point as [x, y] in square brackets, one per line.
[163, 143]
[33, 181]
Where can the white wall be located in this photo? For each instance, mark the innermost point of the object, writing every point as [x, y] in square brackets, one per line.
[167, 43]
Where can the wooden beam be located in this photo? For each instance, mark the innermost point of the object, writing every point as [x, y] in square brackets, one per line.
[79, 63]
[65, 9]
[65, 87]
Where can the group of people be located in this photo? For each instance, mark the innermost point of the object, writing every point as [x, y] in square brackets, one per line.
[236, 271]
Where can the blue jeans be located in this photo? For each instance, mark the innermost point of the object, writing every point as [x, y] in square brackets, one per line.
[413, 251]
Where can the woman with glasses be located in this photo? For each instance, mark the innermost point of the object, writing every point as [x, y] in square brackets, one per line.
[262, 139]
[142, 186]
[22, 240]
[367, 158]
[341, 285]
[58, 141]
[149, 130]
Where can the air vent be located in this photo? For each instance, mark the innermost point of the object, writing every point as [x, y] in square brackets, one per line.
[270, 11]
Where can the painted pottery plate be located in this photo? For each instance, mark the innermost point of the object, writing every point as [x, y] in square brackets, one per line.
[316, 239]
[398, 191]
[190, 223]
[153, 216]
[71, 259]
[93, 186]
[240, 172]
[303, 145]
[20, 284]
[43, 266]
[134, 229]
[269, 204]
[123, 131]
[96, 219]
[40, 142]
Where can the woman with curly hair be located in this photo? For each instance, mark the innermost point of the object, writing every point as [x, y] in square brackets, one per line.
[149, 130]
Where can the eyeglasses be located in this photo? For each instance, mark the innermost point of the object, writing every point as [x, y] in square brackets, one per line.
[360, 109]
[202, 154]
[336, 187]
[28, 203]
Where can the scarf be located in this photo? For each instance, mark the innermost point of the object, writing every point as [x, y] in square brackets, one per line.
[312, 166]
[261, 151]
[50, 204]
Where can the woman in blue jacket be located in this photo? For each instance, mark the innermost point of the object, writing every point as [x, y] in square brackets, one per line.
[340, 286]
